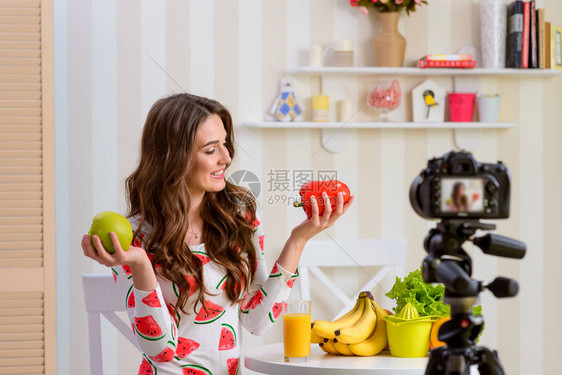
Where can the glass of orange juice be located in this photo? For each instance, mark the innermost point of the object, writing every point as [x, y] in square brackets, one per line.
[296, 331]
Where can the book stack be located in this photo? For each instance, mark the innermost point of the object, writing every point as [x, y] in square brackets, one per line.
[343, 53]
[532, 42]
[342, 58]
[447, 61]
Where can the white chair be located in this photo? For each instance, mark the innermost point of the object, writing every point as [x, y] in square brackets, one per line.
[389, 254]
[103, 297]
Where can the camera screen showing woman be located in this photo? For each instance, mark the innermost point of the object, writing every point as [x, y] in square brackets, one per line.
[461, 195]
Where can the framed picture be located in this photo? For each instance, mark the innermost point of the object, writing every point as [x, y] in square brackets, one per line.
[428, 99]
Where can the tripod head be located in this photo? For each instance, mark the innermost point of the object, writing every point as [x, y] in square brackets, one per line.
[448, 263]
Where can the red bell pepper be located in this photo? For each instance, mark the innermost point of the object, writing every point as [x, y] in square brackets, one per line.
[316, 188]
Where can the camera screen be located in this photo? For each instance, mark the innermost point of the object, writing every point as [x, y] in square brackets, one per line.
[462, 194]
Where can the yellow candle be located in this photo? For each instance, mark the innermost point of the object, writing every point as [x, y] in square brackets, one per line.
[320, 108]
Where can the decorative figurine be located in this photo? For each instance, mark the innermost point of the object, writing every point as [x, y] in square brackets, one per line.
[285, 108]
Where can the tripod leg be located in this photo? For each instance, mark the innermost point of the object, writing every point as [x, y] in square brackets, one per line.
[489, 363]
[448, 361]
[458, 365]
[433, 364]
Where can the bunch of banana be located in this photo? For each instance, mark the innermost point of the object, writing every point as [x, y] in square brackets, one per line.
[361, 331]
[377, 340]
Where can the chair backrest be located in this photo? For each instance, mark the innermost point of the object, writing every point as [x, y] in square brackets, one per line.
[389, 254]
[103, 297]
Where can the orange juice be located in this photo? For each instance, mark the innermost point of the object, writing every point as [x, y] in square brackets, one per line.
[296, 335]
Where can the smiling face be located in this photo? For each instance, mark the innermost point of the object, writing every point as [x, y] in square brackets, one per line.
[210, 157]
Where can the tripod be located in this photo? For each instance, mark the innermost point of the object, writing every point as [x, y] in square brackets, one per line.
[448, 263]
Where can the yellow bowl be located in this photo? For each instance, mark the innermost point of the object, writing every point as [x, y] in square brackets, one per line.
[409, 339]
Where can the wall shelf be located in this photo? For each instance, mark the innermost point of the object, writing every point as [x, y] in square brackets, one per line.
[378, 125]
[408, 71]
[467, 135]
[336, 135]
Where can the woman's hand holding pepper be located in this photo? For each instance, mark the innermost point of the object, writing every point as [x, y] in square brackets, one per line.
[316, 224]
[292, 251]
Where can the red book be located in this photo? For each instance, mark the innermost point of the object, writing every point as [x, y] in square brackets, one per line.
[446, 64]
[526, 31]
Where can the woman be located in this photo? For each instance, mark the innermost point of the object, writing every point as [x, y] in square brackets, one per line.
[458, 201]
[196, 269]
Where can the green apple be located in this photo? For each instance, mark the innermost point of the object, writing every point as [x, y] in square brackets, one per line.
[106, 222]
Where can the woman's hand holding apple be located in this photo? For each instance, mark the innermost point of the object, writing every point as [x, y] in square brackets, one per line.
[144, 277]
[134, 257]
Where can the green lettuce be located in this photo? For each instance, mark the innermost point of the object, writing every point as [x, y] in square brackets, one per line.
[426, 298]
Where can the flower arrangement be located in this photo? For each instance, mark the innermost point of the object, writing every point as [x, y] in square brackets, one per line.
[387, 6]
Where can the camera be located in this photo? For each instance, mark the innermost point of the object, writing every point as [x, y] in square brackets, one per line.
[457, 186]
[460, 191]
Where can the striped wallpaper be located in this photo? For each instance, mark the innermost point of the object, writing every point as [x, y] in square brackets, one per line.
[114, 59]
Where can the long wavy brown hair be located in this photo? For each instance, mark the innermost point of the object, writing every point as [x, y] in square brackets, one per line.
[158, 193]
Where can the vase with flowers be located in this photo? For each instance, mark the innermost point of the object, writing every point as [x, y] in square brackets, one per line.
[390, 45]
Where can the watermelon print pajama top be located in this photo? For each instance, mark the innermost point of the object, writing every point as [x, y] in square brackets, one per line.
[202, 343]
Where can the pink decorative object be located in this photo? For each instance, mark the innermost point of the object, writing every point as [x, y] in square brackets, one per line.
[386, 97]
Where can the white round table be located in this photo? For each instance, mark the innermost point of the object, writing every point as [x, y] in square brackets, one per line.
[268, 359]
